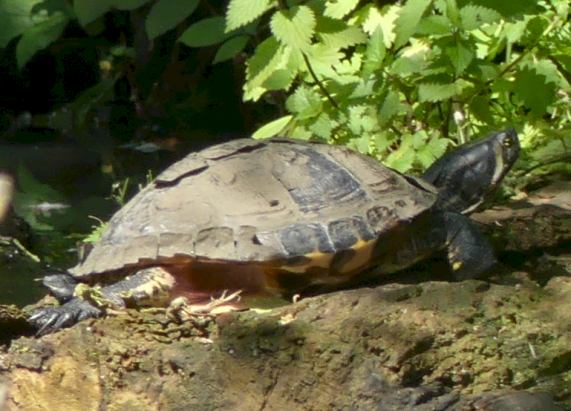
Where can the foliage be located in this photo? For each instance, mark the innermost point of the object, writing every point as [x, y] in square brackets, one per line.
[401, 81]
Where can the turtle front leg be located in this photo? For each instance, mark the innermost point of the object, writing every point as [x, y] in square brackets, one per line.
[151, 286]
[470, 255]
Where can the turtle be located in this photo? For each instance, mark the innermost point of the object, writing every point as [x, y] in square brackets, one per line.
[279, 217]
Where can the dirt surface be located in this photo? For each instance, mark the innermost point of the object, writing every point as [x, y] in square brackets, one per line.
[435, 345]
[497, 345]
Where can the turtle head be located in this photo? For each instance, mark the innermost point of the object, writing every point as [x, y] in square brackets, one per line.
[467, 175]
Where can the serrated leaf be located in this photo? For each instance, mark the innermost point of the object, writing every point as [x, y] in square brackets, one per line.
[167, 14]
[480, 109]
[242, 12]
[279, 80]
[509, 8]
[300, 133]
[268, 57]
[338, 9]
[362, 143]
[348, 37]
[438, 92]
[460, 55]
[473, 17]
[305, 103]
[409, 17]
[375, 53]
[385, 21]
[15, 18]
[206, 32]
[429, 152]
[39, 37]
[534, 90]
[294, 27]
[435, 25]
[231, 48]
[401, 159]
[272, 128]
[389, 108]
[323, 126]
[514, 31]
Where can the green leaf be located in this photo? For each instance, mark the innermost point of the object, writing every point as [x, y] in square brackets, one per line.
[401, 159]
[90, 10]
[460, 55]
[167, 14]
[435, 148]
[127, 4]
[375, 53]
[385, 21]
[338, 9]
[242, 12]
[15, 18]
[509, 8]
[438, 92]
[305, 103]
[389, 108]
[347, 37]
[206, 32]
[408, 20]
[267, 59]
[323, 126]
[534, 90]
[294, 28]
[473, 17]
[279, 80]
[39, 37]
[435, 25]
[272, 128]
[230, 48]
[480, 109]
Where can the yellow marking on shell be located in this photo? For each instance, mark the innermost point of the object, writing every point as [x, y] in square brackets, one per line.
[315, 259]
[456, 265]
[362, 259]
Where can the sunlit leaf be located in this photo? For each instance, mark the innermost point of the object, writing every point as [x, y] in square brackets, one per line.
[294, 27]
[272, 128]
[242, 12]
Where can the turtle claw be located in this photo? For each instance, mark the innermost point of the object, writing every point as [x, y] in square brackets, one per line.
[50, 319]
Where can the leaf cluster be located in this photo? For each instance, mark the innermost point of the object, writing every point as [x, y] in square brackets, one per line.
[402, 82]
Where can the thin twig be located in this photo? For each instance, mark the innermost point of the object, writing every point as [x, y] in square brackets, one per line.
[319, 83]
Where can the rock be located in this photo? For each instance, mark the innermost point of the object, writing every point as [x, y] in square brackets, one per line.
[431, 346]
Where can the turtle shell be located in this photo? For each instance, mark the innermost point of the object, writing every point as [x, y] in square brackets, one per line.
[278, 202]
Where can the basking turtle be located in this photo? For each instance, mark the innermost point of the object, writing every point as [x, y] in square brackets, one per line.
[281, 216]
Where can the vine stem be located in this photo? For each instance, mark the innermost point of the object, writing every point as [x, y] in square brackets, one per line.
[318, 82]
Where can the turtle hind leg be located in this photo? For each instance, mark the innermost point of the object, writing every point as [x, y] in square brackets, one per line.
[470, 255]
